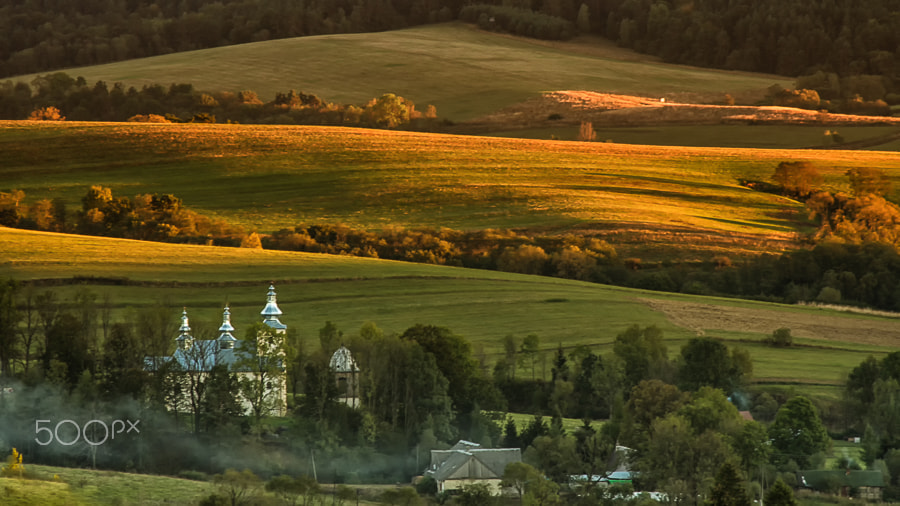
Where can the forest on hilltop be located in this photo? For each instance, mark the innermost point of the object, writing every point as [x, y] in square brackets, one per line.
[842, 39]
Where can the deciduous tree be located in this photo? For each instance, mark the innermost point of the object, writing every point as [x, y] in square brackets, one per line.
[797, 432]
[263, 357]
[640, 349]
[800, 179]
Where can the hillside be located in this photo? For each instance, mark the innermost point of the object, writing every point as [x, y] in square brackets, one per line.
[482, 306]
[463, 71]
[648, 202]
[677, 121]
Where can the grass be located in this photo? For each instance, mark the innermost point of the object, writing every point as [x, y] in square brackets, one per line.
[86, 487]
[482, 306]
[847, 449]
[652, 202]
[570, 425]
[91, 487]
[37, 493]
[463, 71]
[738, 136]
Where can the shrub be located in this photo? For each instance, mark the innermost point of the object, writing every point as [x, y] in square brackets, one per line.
[13, 465]
[781, 338]
[148, 118]
[189, 474]
[801, 99]
[829, 295]
[46, 114]
[427, 486]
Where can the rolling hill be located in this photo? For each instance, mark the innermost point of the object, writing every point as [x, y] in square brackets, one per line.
[463, 71]
[482, 306]
[649, 202]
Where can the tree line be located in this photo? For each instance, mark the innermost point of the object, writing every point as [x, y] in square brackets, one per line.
[51, 34]
[846, 48]
[845, 39]
[59, 96]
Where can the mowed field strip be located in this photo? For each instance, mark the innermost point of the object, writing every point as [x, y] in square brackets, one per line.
[482, 306]
[463, 71]
[651, 202]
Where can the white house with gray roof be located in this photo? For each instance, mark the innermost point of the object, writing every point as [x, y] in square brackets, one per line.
[467, 463]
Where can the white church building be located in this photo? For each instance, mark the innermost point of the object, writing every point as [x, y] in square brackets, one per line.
[198, 357]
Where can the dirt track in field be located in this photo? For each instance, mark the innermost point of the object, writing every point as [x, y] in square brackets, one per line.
[560, 108]
[707, 318]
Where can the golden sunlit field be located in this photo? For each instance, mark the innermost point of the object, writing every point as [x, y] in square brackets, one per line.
[649, 202]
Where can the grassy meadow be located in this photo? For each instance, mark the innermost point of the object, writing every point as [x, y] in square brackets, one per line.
[86, 487]
[482, 306]
[463, 71]
[737, 136]
[651, 202]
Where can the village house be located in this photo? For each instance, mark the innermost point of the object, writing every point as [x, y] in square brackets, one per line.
[467, 463]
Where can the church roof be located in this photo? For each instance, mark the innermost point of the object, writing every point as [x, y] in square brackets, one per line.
[271, 308]
[342, 361]
[204, 354]
[226, 339]
[226, 321]
[271, 312]
[185, 329]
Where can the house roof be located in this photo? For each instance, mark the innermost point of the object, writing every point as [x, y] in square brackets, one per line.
[821, 478]
[468, 460]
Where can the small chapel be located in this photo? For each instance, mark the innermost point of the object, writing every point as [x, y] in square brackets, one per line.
[346, 374]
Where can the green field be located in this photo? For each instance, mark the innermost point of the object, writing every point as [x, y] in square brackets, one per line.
[463, 71]
[86, 487]
[649, 202]
[83, 487]
[482, 306]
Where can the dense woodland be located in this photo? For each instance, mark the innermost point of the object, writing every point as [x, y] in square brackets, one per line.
[853, 44]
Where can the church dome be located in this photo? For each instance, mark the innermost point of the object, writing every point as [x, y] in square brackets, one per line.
[342, 361]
